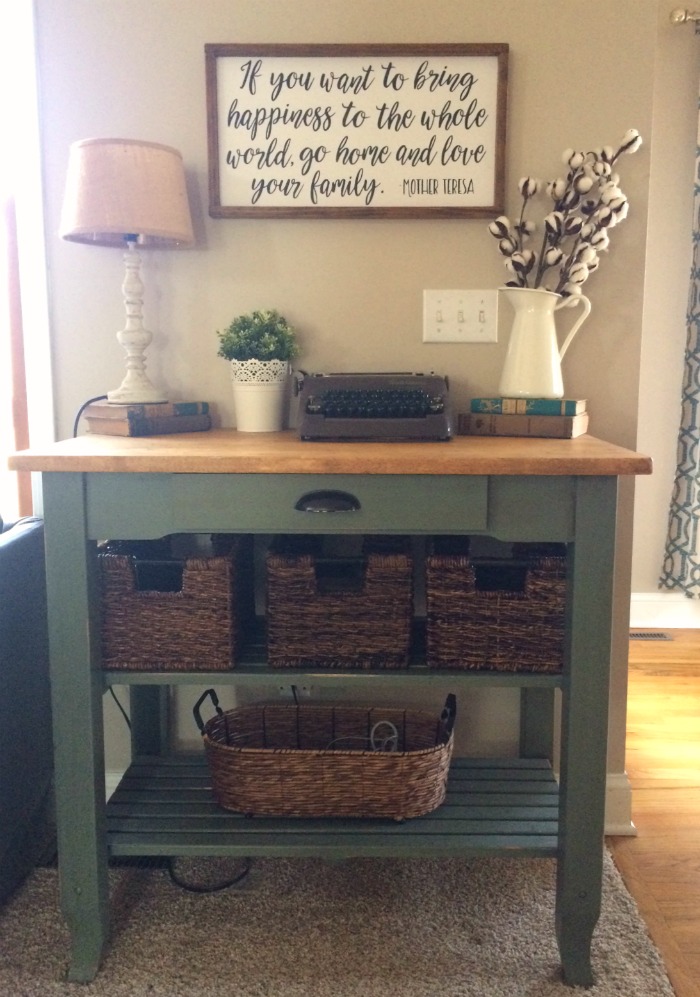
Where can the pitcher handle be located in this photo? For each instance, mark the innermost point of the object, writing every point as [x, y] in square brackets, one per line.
[571, 302]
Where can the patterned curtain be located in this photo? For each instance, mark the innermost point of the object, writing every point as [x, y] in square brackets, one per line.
[681, 566]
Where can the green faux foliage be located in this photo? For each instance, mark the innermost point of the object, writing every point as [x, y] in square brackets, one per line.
[260, 335]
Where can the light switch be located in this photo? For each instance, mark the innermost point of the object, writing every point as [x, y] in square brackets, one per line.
[460, 316]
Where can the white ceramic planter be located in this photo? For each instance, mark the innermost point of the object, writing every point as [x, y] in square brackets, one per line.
[259, 394]
[532, 367]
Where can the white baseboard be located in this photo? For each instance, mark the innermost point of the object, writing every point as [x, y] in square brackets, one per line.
[112, 780]
[618, 805]
[664, 609]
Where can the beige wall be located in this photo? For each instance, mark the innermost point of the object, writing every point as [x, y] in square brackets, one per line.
[352, 286]
[578, 77]
[674, 124]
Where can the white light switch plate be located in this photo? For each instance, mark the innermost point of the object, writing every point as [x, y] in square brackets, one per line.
[460, 316]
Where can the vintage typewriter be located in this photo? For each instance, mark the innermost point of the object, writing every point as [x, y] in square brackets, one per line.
[382, 406]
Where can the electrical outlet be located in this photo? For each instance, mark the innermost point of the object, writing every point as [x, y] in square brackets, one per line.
[460, 316]
[304, 691]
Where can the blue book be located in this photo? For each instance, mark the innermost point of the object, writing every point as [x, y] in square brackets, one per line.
[529, 406]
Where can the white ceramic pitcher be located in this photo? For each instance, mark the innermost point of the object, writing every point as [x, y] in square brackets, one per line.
[532, 368]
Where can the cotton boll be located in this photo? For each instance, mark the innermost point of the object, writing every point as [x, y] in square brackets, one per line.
[500, 227]
[573, 225]
[553, 256]
[528, 186]
[631, 141]
[553, 222]
[507, 246]
[573, 159]
[583, 184]
[556, 188]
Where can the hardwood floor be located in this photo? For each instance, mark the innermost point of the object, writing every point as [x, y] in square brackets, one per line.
[661, 866]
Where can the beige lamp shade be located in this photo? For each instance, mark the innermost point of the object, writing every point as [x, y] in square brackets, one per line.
[117, 187]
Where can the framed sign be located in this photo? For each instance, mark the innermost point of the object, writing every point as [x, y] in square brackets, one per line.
[356, 130]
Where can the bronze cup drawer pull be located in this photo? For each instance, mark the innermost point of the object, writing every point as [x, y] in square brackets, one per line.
[328, 500]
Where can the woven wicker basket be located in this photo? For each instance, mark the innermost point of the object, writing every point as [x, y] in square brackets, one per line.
[501, 629]
[199, 627]
[360, 619]
[317, 761]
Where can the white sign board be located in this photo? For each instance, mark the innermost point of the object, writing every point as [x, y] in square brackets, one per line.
[356, 130]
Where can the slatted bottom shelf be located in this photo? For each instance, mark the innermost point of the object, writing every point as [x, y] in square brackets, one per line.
[164, 806]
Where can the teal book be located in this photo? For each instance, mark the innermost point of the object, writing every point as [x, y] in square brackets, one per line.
[529, 406]
[155, 425]
[144, 410]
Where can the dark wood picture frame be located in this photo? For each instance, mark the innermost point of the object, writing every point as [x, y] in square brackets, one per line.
[399, 131]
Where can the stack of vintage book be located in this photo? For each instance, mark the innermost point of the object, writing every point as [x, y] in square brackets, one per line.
[559, 418]
[147, 419]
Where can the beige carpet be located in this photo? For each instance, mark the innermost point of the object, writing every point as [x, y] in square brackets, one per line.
[301, 928]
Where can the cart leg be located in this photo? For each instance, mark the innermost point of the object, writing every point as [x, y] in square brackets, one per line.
[76, 691]
[584, 726]
[87, 945]
[577, 914]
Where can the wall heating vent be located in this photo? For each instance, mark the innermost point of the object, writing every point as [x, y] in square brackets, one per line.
[649, 635]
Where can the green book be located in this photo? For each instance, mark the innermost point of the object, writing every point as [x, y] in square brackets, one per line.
[529, 406]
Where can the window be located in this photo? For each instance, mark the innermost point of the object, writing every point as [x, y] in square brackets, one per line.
[26, 408]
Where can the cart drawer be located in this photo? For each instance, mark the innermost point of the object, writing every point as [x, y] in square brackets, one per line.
[284, 503]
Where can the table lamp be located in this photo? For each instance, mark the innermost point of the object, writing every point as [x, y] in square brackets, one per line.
[124, 192]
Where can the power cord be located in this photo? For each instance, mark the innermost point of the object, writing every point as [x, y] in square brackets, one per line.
[76, 423]
[174, 877]
[119, 705]
[200, 887]
[383, 736]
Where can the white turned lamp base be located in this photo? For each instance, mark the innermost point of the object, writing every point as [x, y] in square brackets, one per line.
[136, 386]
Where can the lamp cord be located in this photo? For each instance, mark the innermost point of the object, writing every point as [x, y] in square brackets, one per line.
[175, 878]
[97, 398]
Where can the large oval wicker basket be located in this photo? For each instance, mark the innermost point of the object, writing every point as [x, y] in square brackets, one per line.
[328, 760]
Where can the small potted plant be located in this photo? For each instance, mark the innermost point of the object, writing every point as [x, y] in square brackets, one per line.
[259, 347]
